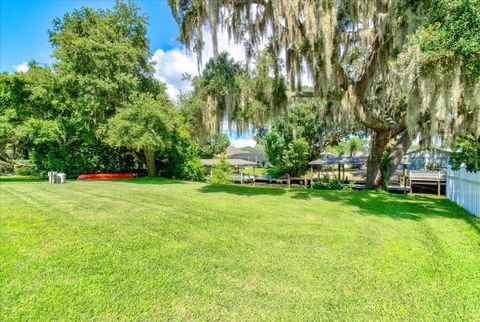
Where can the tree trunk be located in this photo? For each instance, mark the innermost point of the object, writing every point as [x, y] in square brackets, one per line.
[400, 148]
[150, 162]
[379, 142]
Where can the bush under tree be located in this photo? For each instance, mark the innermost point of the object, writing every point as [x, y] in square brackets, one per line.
[221, 172]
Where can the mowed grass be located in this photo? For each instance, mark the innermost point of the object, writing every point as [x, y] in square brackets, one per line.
[156, 249]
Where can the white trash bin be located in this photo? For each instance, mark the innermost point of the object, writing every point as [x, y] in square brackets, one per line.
[52, 177]
[61, 177]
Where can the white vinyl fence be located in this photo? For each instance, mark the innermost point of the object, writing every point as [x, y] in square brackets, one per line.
[463, 187]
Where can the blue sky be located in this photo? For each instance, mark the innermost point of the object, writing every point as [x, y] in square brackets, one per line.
[24, 25]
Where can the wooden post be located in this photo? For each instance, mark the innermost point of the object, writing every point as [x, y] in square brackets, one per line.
[241, 174]
[305, 181]
[410, 180]
[343, 168]
[339, 166]
[288, 179]
[438, 184]
[254, 176]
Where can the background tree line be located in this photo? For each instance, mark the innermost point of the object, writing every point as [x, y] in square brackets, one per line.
[98, 108]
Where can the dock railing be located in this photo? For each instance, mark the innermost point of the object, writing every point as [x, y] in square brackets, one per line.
[463, 187]
[423, 177]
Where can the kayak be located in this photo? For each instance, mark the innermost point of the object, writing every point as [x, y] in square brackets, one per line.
[105, 176]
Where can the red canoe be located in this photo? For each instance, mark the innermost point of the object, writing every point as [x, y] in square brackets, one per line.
[105, 176]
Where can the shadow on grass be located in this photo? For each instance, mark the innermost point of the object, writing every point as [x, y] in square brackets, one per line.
[396, 206]
[149, 180]
[4, 179]
[242, 190]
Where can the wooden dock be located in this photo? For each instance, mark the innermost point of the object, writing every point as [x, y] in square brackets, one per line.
[427, 178]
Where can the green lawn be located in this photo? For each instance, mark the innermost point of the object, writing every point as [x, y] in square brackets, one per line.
[149, 249]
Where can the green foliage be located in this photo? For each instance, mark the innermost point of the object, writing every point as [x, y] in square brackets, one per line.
[79, 157]
[146, 123]
[466, 152]
[327, 183]
[192, 108]
[433, 166]
[145, 126]
[6, 167]
[350, 146]
[221, 172]
[183, 157]
[289, 156]
[219, 75]
[99, 108]
[452, 31]
[23, 169]
[226, 89]
[216, 144]
[102, 58]
[309, 119]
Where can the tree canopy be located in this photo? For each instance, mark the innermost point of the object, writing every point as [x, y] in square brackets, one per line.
[145, 126]
[379, 63]
[98, 107]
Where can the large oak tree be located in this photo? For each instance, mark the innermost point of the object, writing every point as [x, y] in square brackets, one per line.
[400, 68]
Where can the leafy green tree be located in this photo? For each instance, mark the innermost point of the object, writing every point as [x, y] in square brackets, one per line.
[144, 127]
[221, 172]
[356, 144]
[288, 155]
[309, 119]
[226, 89]
[466, 152]
[216, 144]
[102, 59]
[182, 159]
[351, 146]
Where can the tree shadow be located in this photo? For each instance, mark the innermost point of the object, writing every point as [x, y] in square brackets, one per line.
[242, 190]
[149, 180]
[396, 206]
[377, 203]
[6, 179]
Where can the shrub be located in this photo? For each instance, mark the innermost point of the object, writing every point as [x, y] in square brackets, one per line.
[23, 171]
[23, 168]
[6, 167]
[466, 152]
[327, 183]
[221, 172]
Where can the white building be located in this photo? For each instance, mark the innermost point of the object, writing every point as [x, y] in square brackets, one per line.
[422, 159]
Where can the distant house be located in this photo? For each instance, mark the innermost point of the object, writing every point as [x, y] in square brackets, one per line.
[422, 159]
[255, 156]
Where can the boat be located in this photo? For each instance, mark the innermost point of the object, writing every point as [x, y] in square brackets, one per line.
[105, 176]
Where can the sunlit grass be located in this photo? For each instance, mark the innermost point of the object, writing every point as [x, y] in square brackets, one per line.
[156, 249]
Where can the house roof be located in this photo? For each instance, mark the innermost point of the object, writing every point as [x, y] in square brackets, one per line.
[428, 150]
[230, 150]
[232, 162]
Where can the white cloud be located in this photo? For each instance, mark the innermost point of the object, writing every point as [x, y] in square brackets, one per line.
[169, 68]
[241, 143]
[22, 68]
[172, 64]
